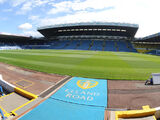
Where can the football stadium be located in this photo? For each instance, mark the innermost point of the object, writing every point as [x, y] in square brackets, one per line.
[80, 71]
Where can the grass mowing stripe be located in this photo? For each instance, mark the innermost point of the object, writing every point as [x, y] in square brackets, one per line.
[51, 59]
[64, 68]
[141, 66]
[39, 66]
[39, 63]
[134, 64]
[114, 67]
[80, 52]
[47, 54]
[94, 64]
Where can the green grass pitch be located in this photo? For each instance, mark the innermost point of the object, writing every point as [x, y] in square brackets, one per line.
[92, 64]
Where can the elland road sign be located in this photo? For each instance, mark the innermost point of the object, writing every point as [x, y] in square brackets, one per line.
[78, 99]
[86, 91]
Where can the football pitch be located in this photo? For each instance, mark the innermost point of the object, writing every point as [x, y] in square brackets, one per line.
[91, 64]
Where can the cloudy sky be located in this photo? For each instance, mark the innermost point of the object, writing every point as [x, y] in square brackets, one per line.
[22, 17]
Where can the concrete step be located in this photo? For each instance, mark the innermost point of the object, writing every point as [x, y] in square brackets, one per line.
[12, 101]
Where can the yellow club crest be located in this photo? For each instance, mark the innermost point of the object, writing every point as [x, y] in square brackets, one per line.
[86, 84]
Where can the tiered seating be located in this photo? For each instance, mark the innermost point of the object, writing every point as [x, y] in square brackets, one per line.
[110, 46]
[60, 45]
[36, 46]
[122, 46]
[84, 45]
[72, 45]
[131, 47]
[152, 52]
[97, 45]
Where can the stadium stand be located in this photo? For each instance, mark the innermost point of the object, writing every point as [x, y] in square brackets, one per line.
[122, 46]
[110, 46]
[97, 45]
[149, 44]
[61, 44]
[84, 45]
[72, 44]
[130, 46]
[98, 36]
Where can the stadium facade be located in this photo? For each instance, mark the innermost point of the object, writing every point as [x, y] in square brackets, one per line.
[98, 29]
[102, 36]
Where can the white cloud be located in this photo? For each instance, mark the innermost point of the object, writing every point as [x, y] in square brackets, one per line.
[25, 26]
[58, 10]
[33, 17]
[82, 16]
[17, 2]
[26, 5]
[142, 12]
[78, 5]
[94, 4]
[41, 2]
[60, 7]
[34, 3]
[25, 8]
[2, 1]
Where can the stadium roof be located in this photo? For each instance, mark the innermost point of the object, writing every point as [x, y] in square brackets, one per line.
[18, 38]
[12, 37]
[90, 28]
[150, 38]
[89, 23]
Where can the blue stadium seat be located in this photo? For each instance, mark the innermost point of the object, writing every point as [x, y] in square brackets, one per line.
[122, 46]
[84, 45]
[131, 47]
[110, 46]
[97, 45]
[61, 44]
[72, 44]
